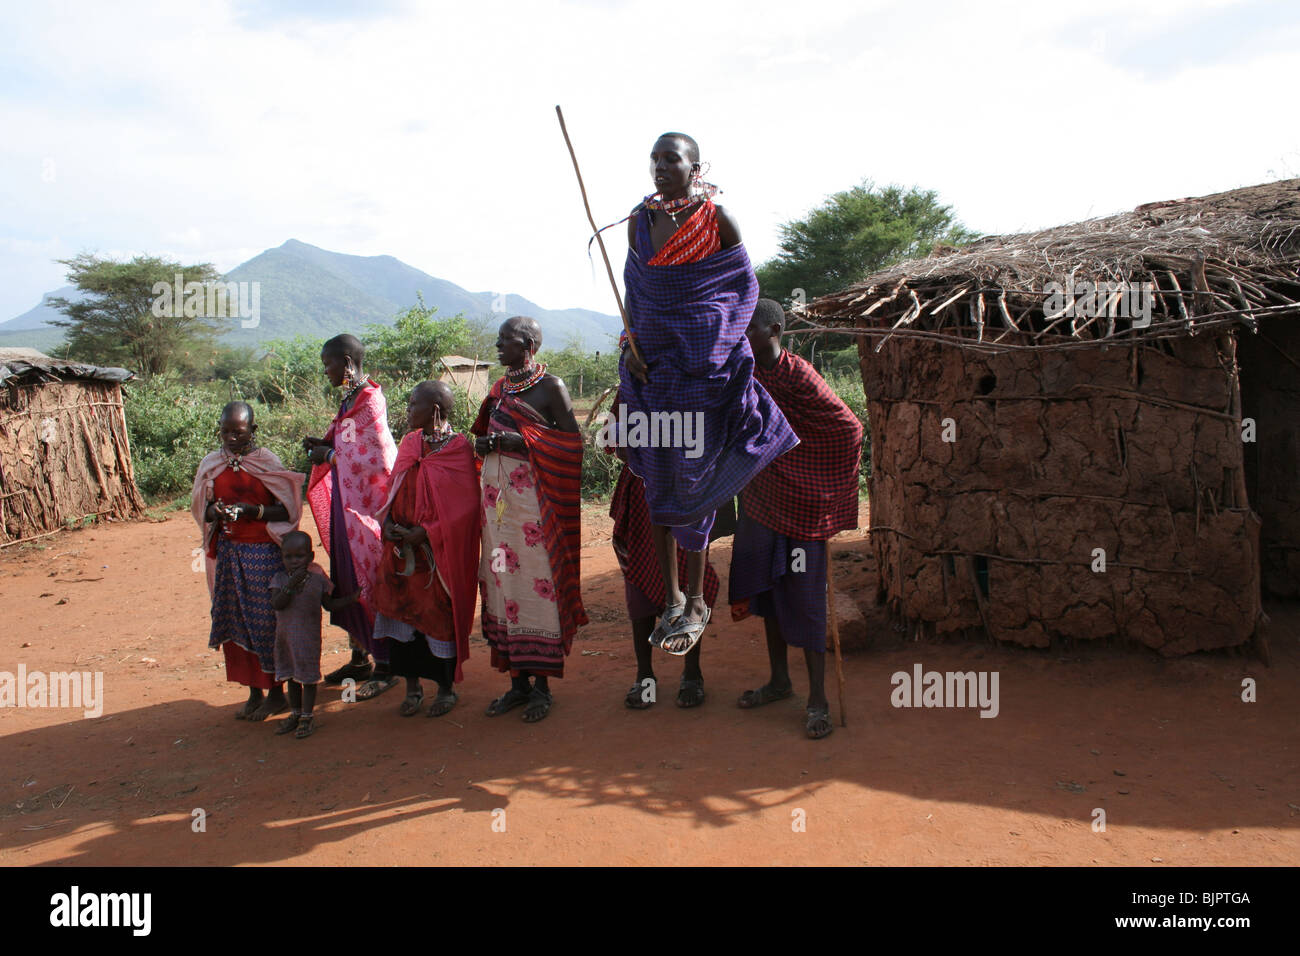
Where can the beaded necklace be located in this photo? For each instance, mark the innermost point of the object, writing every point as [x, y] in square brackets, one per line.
[699, 191]
[347, 396]
[439, 438]
[524, 379]
[235, 463]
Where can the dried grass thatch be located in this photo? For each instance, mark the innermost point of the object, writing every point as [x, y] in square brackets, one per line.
[1215, 261]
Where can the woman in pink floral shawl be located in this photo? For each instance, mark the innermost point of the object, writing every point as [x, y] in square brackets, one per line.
[348, 485]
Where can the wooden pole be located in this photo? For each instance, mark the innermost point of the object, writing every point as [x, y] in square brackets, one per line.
[599, 239]
[835, 630]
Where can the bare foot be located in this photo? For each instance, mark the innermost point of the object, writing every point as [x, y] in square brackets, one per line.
[250, 706]
[274, 704]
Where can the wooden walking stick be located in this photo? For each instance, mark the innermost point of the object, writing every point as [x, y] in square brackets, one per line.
[594, 228]
[835, 630]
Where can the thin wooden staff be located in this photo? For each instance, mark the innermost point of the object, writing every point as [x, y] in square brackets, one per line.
[835, 630]
[599, 239]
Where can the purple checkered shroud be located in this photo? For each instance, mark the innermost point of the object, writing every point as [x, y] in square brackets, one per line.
[689, 323]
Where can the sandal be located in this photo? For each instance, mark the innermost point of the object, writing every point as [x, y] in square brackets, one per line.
[691, 631]
[289, 724]
[669, 617]
[443, 703]
[816, 716]
[358, 672]
[766, 694]
[306, 725]
[376, 686]
[690, 693]
[636, 696]
[539, 705]
[246, 711]
[411, 705]
[507, 701]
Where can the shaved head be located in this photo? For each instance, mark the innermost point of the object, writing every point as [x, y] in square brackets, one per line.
[346, 347]
[768, 313]
[296, 538]
[692, 151]
[439, 393]
[525, 327]
[233, 411]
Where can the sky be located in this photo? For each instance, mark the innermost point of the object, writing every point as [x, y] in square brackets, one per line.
[208, 131]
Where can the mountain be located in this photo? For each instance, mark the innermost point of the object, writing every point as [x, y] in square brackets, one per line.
[32, 329]
[39, 316]
[306, 290]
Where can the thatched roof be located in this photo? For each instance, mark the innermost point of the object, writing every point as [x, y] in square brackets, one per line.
[1216, 260]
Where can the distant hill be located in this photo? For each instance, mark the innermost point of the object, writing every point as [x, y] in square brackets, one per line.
[45, 340]
[39, 316]
[310, 291]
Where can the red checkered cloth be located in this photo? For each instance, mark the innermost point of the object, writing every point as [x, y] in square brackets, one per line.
[634, 543]
[695, 239]
[810, 492]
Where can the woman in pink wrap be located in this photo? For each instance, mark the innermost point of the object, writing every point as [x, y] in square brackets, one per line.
[349, 484]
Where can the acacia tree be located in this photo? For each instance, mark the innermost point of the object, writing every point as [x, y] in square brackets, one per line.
[116, 320]
[408, 349]
[853, 234]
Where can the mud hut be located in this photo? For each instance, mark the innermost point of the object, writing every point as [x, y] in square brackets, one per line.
[64, 454]
[1054, 461]
[470, 374]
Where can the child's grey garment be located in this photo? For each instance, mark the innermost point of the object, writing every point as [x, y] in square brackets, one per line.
[297, 628]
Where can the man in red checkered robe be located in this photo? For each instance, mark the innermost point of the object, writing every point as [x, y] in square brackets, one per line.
[788, 513]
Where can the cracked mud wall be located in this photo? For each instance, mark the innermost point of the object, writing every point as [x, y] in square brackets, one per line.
[1053, 455]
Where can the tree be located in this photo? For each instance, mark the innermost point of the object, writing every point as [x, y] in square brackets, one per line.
[584, 373]
[407, 350]
[121, 317]
[853, 234]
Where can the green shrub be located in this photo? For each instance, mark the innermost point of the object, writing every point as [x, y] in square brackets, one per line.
[172, 425]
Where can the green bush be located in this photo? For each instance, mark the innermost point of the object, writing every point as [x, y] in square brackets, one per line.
[172, 425]
[585, 374]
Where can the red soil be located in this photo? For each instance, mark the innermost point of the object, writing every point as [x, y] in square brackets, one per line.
[1186, 772]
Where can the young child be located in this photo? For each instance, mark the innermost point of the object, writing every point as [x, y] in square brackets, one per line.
[298, 593]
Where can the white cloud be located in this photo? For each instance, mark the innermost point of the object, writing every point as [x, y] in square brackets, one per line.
[429, 133]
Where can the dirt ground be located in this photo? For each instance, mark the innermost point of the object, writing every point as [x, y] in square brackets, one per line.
[1186, 772]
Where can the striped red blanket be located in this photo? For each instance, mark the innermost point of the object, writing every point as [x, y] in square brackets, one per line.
[556, 457]
[810, 492]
